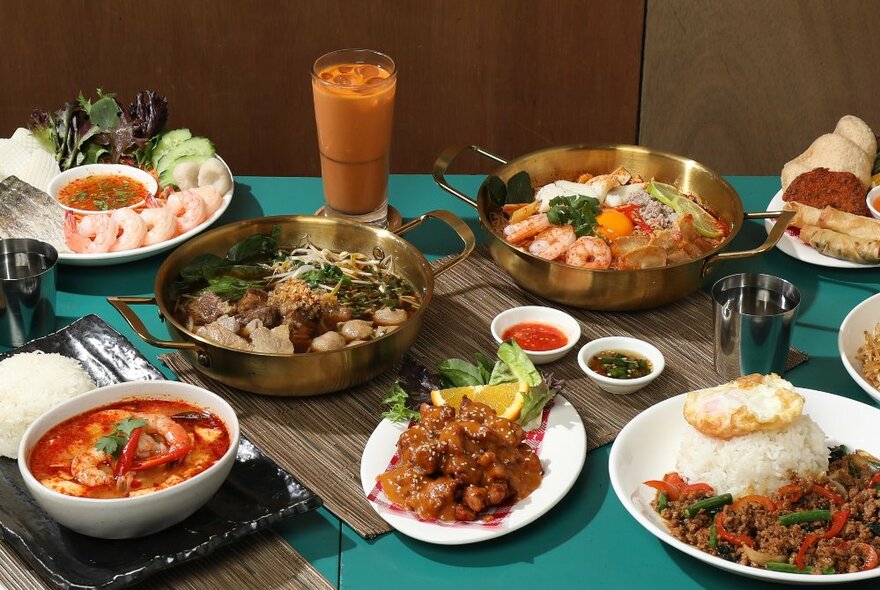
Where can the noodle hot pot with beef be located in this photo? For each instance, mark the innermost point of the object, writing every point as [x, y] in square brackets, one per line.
[611, 289]
[313, 368]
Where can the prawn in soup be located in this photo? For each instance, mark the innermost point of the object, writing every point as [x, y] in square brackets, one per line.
[129, 448]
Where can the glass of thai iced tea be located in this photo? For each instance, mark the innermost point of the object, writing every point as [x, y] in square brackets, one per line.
[353, 90]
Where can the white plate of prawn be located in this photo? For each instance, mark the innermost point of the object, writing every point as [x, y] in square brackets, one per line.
[163, 235]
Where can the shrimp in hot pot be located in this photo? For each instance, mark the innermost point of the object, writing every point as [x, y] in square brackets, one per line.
[552, 243]
[589, 252]
[527, 228]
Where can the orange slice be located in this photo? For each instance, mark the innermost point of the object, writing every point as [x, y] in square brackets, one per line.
[506, 399]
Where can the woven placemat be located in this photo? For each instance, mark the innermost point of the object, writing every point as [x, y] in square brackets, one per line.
[261, 560]
[321, 439]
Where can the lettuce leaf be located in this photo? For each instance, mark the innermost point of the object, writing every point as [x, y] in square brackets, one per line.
[459, 373]
[519, 364]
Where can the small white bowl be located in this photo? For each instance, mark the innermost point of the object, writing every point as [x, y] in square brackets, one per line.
[68, 176]
[851, 336]
[872, 198]
[624, 344]
[543, 315]
[124, 518]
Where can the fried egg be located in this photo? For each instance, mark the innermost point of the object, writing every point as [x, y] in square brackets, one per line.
[613, 224]
[754, 403]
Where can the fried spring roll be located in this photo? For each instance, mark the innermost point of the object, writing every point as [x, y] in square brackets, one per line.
[803, 214]
[857, 226]
[840, 246]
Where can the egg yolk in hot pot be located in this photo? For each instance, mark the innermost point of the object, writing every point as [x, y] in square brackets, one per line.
[613, 224]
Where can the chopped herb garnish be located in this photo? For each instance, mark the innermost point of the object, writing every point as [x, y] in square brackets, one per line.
[112, 443]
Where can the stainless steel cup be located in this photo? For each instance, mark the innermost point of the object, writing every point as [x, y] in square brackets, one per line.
[754, 315]
[27, 290]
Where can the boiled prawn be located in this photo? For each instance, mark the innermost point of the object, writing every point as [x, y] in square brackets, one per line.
[94, 234]
[589, 252]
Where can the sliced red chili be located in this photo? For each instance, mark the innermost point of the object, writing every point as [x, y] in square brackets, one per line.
[838, 521]
[870, 558]
[827, 493]
[672, 492]
[173, 455]
[126, 458]
[790, 493]
[675, 479]
[875, 481]
[699, 487]
[764, 501]
[809, 541]
[731, 538]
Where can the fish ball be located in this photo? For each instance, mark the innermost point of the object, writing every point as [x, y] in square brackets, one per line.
[328, 341]
[356, 330]
[386, 316]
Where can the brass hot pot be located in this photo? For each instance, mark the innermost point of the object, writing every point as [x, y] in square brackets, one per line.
[299, 374]
[609, 289]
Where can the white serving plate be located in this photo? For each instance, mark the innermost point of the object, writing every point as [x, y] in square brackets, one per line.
[851, 336]
[562, 455]
[797, 249]
[646, 448]
[146, 251]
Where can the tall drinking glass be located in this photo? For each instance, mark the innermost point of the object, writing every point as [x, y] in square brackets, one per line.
[353, 90]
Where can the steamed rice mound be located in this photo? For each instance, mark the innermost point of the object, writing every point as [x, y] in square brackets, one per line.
[757, 463]
[31, 384]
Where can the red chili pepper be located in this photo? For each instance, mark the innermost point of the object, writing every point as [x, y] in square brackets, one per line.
[632, 213]
[126, 458]
[809, 540]
[875, 481]
[790, 493]
[838, 521]
[162, 459]
[675, 479]
[699, 487]
[827, 493]
[672, 492]
[764, 501]
[731, 538]
[870, 558]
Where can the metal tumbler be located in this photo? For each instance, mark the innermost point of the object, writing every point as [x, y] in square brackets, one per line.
[27, 290]
[754, 315]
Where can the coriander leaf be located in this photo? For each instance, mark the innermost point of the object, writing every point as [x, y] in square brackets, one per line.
[497, 190]
[519, 188]
[110, 444]
[397, 410]
[579, 211]
[129, 424]
[459, 373]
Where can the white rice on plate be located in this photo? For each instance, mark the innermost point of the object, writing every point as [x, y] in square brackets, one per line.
[32, 383]
[757, 463]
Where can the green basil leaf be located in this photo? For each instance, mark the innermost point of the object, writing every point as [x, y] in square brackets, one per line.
[255, 246]
[497, 190]
[519, 188]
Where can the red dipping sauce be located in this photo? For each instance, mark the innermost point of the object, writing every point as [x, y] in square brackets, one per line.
[536, 336]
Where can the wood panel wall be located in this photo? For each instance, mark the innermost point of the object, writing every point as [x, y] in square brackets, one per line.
[743, 86]
[511, 75]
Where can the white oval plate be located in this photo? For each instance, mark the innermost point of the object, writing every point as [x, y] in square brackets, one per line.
[646, 448]
[146, 251]
[562, 455]
[797, 249]
[851, 336]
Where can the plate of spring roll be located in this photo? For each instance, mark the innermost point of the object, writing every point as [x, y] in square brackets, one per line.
[828, 236]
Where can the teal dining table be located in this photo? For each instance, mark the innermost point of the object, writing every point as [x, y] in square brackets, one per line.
[587, 540]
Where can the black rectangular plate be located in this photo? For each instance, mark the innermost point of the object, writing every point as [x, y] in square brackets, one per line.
[256, 494]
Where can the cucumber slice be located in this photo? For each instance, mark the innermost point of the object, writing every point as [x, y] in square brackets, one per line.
[167, 141]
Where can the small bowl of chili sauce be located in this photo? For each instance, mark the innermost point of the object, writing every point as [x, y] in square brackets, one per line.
[873, 201]
[98, 188]
[545, 334]
[619, 364]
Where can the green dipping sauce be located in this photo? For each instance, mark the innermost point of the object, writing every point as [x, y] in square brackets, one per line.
[620, 364]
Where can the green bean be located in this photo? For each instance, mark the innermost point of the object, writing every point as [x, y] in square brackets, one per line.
[713, 536]
[712, 503]
[781, 566]
[662, 502]
[804, 516]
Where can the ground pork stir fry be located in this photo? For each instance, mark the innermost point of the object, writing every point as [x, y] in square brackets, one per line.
[808, 527]
[306, 299]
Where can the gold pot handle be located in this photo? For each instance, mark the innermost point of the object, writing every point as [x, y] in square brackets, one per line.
[122, 305]
[444, 160]
[457, 224]
[783, 218]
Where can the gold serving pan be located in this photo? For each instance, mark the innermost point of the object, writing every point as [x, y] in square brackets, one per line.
[299, 374]
[609, 290]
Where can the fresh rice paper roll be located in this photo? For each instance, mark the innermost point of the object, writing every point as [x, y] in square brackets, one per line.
[856, 226]
[841, 246]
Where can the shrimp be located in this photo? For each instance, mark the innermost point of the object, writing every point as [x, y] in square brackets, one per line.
[188, 208]
[95, 234]
[589, 252]
[92, 468]
[525, 229]
[160, 223]
[173, 433]
[133, 227]
[552, 243]
[211, 196]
